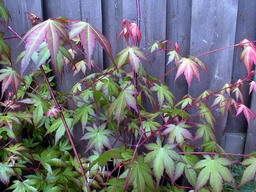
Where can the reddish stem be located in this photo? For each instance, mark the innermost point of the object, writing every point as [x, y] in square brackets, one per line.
[66, 127]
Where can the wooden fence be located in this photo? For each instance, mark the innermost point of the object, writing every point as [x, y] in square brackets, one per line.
[197, 25]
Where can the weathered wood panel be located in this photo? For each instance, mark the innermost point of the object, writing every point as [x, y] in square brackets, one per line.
[198, 26]
[246, 21]
[86, 10]
[213, 26]
[112, 10]
[91, 12]
[71, 10]
[153, 28]
[178, 30]
[250, 144]
[20, 22]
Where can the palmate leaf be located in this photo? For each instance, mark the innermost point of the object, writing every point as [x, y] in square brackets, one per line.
[82, 114]
[59, 127]
[9, 119]
[206, 132]
[252, 87]
[133, 55]
[126, 97]
[6, 171]
[250, 171]
[163, 93]
[130, 30]
[248, 55]
[150, 125]
[8, 76]
[50, 31]
[162, 158]
[4, 13]
[248, 113]
[49, 158]
[190, 68]
[186, 101]
[214, 170]
[23, 186]
[88, 36]
[206, 113]
[4, 48]
[98, 137]
[185, 166]
[178, 133]
[140, 176]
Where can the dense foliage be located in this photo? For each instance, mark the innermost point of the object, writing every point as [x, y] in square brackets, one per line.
[138, 137]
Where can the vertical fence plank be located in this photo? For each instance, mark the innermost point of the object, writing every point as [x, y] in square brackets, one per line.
[213, 26]
[246, 21]
[153, 28]
[20, 21]
[112, 11]
[91, 12]
[250, 144]
[178, 30]
[71, 10]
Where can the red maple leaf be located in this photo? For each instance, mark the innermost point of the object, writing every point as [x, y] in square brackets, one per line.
[248, 55]
[53, 111]
[252, 87]
[246, 111]
[130, 30]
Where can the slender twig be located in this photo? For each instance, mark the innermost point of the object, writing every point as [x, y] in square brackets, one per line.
[66, 127]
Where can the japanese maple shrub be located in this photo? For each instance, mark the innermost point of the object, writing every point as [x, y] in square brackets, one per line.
[138, 137]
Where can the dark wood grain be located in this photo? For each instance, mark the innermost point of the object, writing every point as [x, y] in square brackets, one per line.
[153, 28]
[246, 21]
[178, 30]
[213, 26]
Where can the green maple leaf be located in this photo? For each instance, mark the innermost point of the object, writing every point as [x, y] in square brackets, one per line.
[6, 171]
[98, 137]
[150, 125]
[126, 97]
[59, 127]
[205, 130]
[16, 149]
[23, 186]
[4, 13]
[207, 114]
[178, 133]
[215, 171]
[115, 185]
[140, 175]
[8, 120]
[162, 158]
[185, 166]
[186, 101]
[163, 93]
[49, 158]
[9, 76]
[82, 114]
[250, 171]
[133, 55]
[4, 48]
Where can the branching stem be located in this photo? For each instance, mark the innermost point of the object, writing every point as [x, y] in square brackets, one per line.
[66, 127]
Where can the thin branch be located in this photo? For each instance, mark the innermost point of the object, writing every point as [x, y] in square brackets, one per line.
[66, 127]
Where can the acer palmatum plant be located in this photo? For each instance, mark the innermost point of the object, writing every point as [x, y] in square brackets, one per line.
[132, 145]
